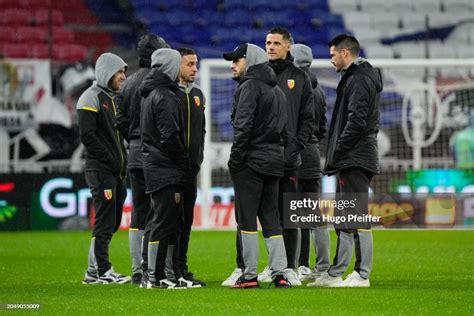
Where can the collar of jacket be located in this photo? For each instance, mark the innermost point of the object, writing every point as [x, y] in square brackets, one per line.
[280, 64]
[111, 93]
[187, 87]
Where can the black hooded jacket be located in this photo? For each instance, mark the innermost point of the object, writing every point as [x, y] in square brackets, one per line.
[310, 156]
[165, 158]
[355, 121]
[296, 85]
[129, 99]
[259, 120]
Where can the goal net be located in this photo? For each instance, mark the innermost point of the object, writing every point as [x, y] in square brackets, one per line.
[424, 106]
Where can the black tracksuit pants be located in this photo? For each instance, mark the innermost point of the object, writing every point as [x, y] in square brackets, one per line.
[310, 186]
[288, 183]
[141, 200]
[190, 194]
[166, 226]
[108, 195]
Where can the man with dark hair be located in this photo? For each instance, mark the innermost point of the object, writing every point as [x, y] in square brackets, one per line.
[257, 161]
[165, 163]
[105, 164]
[128, 123]
[194, 102]
[352, 156]
[296, 85]
[309, 173]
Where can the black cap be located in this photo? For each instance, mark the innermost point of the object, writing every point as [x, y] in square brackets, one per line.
[239, 52]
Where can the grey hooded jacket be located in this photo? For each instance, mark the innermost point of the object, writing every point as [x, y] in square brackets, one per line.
[310, 167]
[165, 156]
[259, 119]
[96, 115]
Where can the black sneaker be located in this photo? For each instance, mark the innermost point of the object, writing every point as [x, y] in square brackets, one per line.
[188, 283]
[243, 283]
[281, 282]
[167, 284]
[190, 277]
[137, 278]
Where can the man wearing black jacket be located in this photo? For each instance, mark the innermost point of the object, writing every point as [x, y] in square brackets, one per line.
[194, 103]
[166, 164]
[257, 161]
[309, 173]
[352, 156]
[296, 85]
[105, 164]
[128, 123]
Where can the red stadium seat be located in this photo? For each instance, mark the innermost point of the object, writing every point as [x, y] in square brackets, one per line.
[15, 17]
[31, 35]
[62, 35]
[8, 35]
[40, 51]
[35, 4]
[42, 17]
[16, 51]
[69, 52]
[9, 4]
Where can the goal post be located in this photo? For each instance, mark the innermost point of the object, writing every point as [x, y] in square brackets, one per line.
[425, 102]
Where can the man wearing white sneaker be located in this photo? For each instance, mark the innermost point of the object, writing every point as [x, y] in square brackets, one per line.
[352, 156]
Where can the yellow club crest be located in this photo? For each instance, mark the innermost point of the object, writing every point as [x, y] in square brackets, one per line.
[291, 83]
[108, 194]
[197, 101]
[177, 197]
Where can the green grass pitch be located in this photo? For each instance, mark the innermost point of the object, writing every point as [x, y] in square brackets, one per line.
[415, 272]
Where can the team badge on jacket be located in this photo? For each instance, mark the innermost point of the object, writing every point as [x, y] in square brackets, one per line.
[291, 83]
[108, 194]
[197, 101]
[177, 197]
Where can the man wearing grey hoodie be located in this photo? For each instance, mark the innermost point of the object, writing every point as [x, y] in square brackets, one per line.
[166, 165]
[257, 161]
[105, 164]
[309, 172]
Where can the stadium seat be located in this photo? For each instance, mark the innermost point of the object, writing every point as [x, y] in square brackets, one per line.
[35, 4]
[9, 4]
[42, 17]
[439, 49]
[354, 20]
[209, 18]
[341, 6]
[178, 18]
[427, 6]
[378, 51]
[31, 35]
[384, 23]
[69, 52]
[62, 35]
[409, 50]
[15, 17]
[8, 35]
[400, 7]
[238, 17]
[368, 35]
[374, 6]
[16, 51]
[457, 5]
[40, 51]
[412, 21]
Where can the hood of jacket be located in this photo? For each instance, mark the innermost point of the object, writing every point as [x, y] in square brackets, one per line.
[105, 68]
[362, 66]
[261, 72]
[302, 55]
[146, 46]
[255, 55]
[167, 61]
[155, 79]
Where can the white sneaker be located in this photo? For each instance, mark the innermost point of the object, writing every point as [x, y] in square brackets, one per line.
[305, 273]
[233, 277]
[112, 277]
[355, 280]
[292, 277]
[265, 276]
[188, 283]
[325, 280]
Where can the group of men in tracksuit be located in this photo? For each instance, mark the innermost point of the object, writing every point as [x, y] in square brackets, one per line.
[278, 115]
[275, 151]
[160, 112]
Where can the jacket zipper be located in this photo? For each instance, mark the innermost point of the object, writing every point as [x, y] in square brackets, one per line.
[117, 138]
[189, 117]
